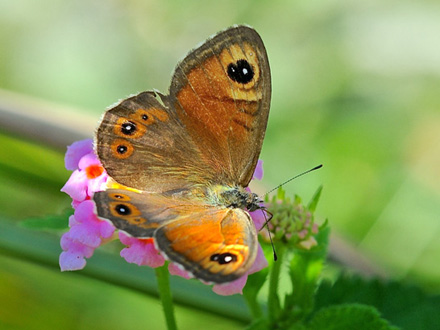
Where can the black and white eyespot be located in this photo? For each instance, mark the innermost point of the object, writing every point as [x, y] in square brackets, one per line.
[121, 149]
[128, 128]
[122, 209]
[241, 71]
[224, 258]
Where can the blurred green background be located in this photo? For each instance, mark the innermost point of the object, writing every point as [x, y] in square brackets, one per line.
[356, 86]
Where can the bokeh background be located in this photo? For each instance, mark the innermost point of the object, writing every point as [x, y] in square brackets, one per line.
[356, 86]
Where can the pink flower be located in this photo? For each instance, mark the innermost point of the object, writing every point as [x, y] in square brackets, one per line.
[87, 231]
[85, 235]
[88, 176]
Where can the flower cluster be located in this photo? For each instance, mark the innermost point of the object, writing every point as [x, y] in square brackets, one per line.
[87, 231]
[292, 223]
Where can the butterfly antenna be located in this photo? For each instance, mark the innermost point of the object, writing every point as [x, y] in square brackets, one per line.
[275, 257]
[296, 176]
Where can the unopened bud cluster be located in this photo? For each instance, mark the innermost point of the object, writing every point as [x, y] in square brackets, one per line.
[292, 223]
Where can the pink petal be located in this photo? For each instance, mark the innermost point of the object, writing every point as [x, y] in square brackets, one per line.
[76, 186]
[88, 160]
[106, 229]
[70, 244]
[259, 217]
[177, 270]
[97, 184]
[260, 261]
[74, 253]
[85, 212]
[140, 251]
[72, 221]
[234, 287]
[86, 234]
[76, 151]
[258, 173]
[71, 261]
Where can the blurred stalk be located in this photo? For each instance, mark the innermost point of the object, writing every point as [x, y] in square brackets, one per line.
[44, 249]
[51, 124]
[163, 285]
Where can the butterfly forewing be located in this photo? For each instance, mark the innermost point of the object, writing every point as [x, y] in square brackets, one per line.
[221, 92]
[142, 144]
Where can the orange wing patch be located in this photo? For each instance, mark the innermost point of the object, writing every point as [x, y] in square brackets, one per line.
[148, 116]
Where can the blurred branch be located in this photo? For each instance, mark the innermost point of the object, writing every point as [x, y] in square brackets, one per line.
[43, 122]
[342, 252]
[59, 126]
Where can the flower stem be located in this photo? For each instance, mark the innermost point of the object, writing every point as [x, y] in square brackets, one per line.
[163, 283]
[253, 305]
[273, 301]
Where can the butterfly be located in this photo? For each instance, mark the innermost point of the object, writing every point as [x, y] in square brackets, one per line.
[182, 161]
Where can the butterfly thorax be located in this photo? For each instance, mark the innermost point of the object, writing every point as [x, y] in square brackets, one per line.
[234, 197]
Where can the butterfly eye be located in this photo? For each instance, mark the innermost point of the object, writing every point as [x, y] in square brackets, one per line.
[224, 258]
[241, 71]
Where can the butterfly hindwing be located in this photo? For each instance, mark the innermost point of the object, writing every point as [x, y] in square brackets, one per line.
[138, 214]
[214, 244]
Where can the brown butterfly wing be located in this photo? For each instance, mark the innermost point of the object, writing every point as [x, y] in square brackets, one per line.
[142, 144]
[214, 244]
[221, 92]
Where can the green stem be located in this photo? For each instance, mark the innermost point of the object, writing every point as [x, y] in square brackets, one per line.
[273, 301]
[253, 305]
[163, 283]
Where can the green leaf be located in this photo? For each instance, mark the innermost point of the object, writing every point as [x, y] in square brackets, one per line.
[51, 222]
[315, 199]
[353, 316]
[405, 306]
